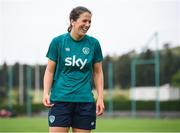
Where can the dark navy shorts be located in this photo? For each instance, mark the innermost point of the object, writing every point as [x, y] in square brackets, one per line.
[80, 115]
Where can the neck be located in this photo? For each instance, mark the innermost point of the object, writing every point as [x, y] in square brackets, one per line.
[75, 36]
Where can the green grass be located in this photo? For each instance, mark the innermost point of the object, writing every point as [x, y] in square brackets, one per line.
[35, 124]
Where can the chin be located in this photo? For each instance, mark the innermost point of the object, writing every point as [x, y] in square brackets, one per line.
[82, 34]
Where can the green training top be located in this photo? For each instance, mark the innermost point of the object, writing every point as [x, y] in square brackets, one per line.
[74, 67]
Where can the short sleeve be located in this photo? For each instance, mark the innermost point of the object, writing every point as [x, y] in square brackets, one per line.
[52, 53]
[98, 57]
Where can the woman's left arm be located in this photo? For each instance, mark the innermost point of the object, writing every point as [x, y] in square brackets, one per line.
[99, 85]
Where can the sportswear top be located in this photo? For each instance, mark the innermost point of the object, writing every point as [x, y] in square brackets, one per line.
[72, 81]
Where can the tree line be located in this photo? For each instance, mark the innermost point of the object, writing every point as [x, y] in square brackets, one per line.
[169, 70]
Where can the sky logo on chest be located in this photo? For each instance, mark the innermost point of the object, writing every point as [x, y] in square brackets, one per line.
[74, 61]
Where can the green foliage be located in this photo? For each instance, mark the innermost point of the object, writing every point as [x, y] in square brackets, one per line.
[21, 110]
[176, 79]
[120, 104]
[169, 65]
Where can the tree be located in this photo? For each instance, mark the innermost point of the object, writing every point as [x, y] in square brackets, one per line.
[16, 75]
[145, 72]
[176, 79]
[122, 71]
[170, 63]
[106, 60]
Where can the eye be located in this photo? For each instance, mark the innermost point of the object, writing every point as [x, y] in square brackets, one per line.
[85, 21]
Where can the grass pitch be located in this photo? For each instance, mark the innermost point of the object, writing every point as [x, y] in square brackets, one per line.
[35, 124]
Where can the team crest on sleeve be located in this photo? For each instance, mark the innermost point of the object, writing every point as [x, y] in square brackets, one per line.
[86, 50]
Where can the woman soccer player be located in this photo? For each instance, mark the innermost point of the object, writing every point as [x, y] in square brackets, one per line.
[74, 59]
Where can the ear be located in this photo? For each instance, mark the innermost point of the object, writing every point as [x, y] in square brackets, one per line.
[72, 22]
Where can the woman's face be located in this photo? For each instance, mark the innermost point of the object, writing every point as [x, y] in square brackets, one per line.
[81, 25]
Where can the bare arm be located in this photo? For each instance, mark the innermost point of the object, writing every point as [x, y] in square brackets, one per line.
[48, 79]
[99, 85]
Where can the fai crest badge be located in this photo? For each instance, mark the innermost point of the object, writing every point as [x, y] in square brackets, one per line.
[86, 50]
[51, 118]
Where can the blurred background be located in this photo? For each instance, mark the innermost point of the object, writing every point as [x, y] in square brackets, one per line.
[140, 40]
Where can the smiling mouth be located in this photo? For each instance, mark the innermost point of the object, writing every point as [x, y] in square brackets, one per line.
[85, 30]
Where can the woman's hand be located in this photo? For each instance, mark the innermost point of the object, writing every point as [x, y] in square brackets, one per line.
[99, 106]
[46, 101]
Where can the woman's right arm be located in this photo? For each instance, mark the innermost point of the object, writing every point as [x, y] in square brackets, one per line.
[48, 79]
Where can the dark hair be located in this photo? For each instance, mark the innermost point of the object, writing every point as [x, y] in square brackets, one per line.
[75, 13]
